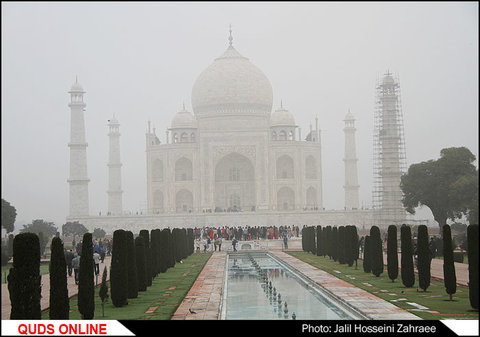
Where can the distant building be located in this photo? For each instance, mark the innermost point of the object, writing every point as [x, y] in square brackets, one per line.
[232, 161]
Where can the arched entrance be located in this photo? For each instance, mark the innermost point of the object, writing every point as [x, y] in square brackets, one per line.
[234, 184]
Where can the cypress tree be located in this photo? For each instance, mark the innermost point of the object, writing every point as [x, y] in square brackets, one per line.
[367, 263]
[449, 277]
[141, 265]
[319, 241]
[86, 286]
[164, 250]
[392, 253]
[153, 248]
[351, 243]
[183, 235]
[406, 270]
[191, 241]
[304, 247]
[59, 302]
[341, 245]
[376, 251]
[355, 245]
[131, 266]
[334, 243]
[103, 293]
[148, 255]
[24, 277]
[424, 258]
[328, 238]
[472, 239]
[118, 269]
[171, 250]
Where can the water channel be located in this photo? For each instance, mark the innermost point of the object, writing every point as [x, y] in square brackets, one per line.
[259, 286]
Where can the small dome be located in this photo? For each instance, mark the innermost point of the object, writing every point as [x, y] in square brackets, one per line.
[388, 79]
[349, 116]
[76, 87]
[183, 119]
[282, 117]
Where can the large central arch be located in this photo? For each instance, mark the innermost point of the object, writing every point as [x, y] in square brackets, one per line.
[234, 183]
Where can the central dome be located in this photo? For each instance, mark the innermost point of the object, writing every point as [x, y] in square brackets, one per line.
[232, 84]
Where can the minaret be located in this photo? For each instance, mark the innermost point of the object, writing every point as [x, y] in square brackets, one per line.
[389, 160]
[114, 169]
[78, 179]
[351, 177]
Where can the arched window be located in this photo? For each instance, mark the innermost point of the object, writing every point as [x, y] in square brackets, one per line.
[290, 135]
[184, 138]
[285, 199]
[157, 170]
[310, 168]
[158, 202]
[311, 198]
[175, 138]
[183, 170]
[274, 135]
[285, 167]
[184, 201]
[282, 135]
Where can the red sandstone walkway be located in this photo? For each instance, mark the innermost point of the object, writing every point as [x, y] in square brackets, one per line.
[206, 293]
[44, 302]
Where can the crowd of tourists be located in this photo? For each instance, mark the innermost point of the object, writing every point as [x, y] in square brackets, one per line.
[101, 248]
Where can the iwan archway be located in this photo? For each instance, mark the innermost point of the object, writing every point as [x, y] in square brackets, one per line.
[234, 184]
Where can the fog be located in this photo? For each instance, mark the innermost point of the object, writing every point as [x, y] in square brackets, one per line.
[139, 61]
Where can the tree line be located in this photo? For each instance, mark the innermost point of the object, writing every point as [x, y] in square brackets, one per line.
[134, 265]
[342, 244]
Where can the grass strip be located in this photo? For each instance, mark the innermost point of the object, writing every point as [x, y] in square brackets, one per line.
[159, 302]
[435, 298]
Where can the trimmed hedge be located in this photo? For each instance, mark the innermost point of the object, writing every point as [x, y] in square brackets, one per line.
[86, 286]
[118, 269]
[392, 253]
[367, 262]
[472, 237]
[407, 272]
[141, 263]
[376, 251]
[131, 266]
[24, 277]
[424, 258]
[449, 277]
[59, 302]
[148, 256]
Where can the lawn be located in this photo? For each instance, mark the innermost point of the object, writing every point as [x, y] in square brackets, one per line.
[162, 297]
[5, 270]
[435, 299]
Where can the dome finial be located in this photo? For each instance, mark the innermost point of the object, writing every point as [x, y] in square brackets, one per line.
[230, 38]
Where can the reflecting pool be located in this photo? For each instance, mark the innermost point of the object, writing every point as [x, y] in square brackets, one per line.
[258, 286]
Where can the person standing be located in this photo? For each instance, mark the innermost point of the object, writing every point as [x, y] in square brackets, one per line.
[96, 261]
[68, 258]
[76, 266]
[234, 244]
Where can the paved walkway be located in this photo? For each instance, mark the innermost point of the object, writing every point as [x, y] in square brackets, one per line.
[204, 297]
[436, 269]
[44, 302]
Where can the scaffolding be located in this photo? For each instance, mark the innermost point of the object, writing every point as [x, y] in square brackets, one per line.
[389, 159]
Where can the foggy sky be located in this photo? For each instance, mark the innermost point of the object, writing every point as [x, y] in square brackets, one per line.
[140, 60]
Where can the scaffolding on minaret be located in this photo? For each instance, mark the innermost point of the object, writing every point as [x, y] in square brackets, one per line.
[389, 158]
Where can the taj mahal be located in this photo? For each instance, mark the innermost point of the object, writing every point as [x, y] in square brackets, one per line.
[234, 160]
